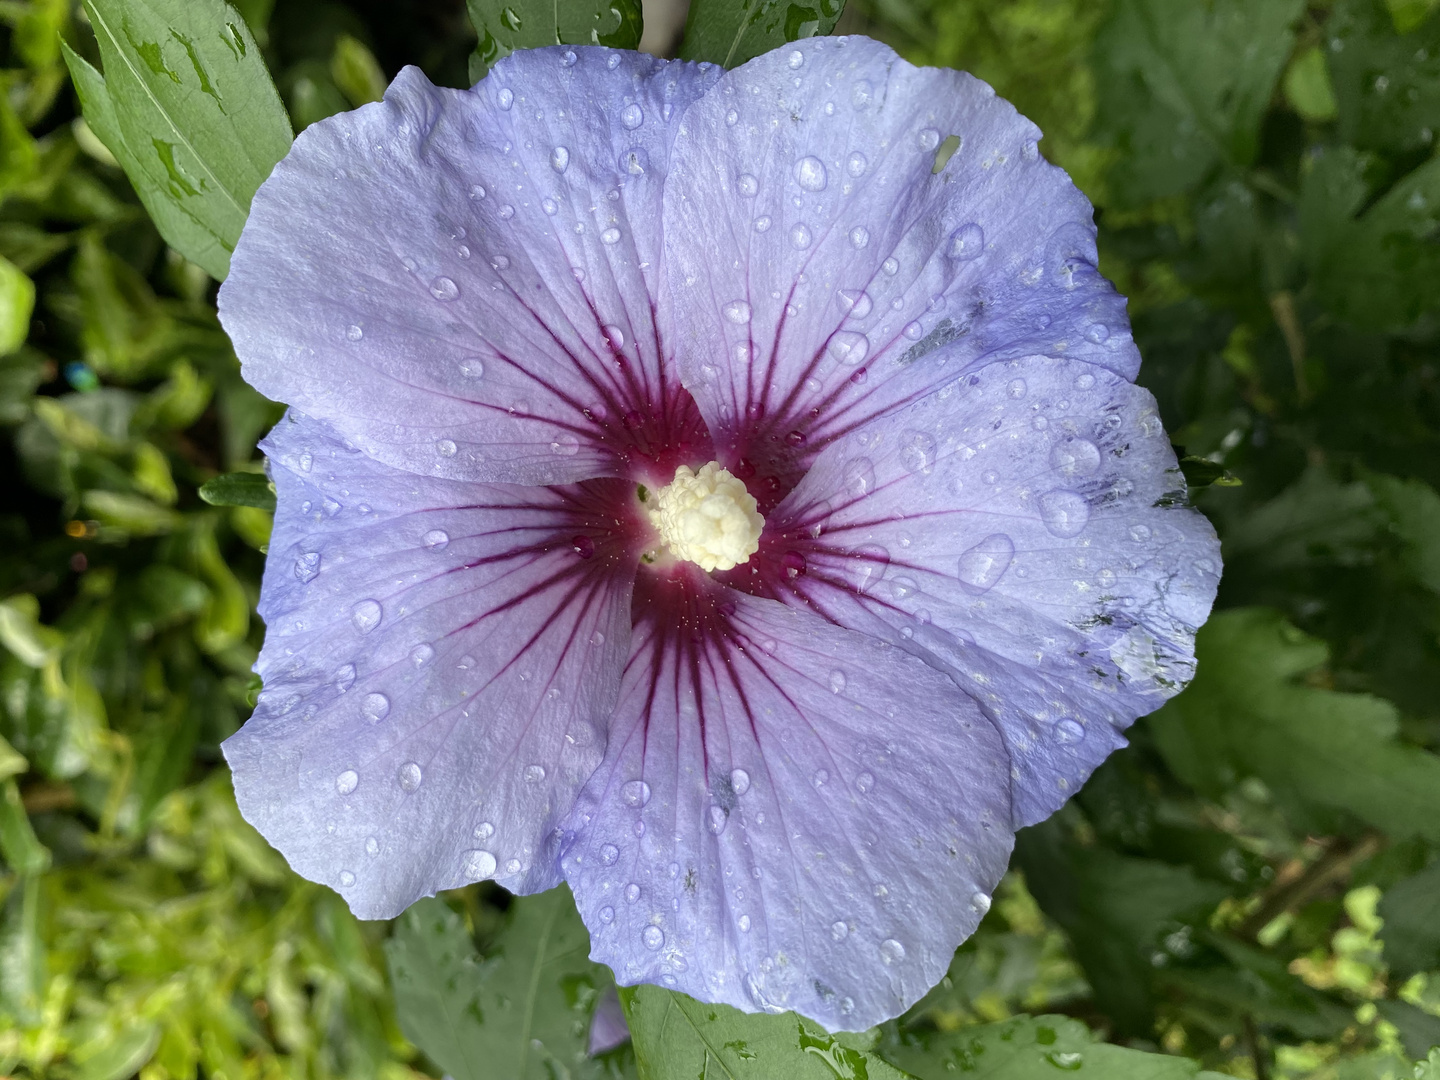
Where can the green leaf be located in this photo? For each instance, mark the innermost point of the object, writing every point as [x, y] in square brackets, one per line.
[1035, 1048]
[1411, 910]
[1183, 88]
[192, 116]
[1201, 472]
[1325, 756]
[121, 1056]
[522, 1013]
[729, 32]
[1387, 84]
[507, 25]
[1371, 263]
[239, 489]
[17, 301]
[1308, 88]
[677, 1036]
[356, 72]
[22, 851]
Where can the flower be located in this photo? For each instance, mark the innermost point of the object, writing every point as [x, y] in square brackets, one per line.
[552, 346]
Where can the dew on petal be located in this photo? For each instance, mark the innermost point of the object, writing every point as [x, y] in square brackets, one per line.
[1139, 533]
[444, 289]
[472, 367]
[738, 312]
[355, 333]
[839, 930]
[762, 223]
[891, 266]
[506, 98]
[1075, 457]
[856, 301]
[410, 776]
[1069, 731]
[865, 782]
[347, 781]
[653, 937]
[914, 331]
[800, 236]
[607, 914]
[739, 781]
[610, 236]
[635, 161]
[347, 878]
[980, 902]
[632, 893]
[858, 475]
[560, 159]
[859, 237]
[966, 243]
[927, 140]
[717, 817]
[484, 831]
[891, 951]
[608, 854]
[849, 347]
[446, 448]
[837, 681]
[534, 773]
[436, 540]
[748, 186]
[743, 923]
[344, 677]
[1064, 513]
[982, 566]
[632, 116]
[565, 446]
[366, 615]
[372, 846]
[810, 174]
[857, 163]
[795, 60]
[422, 654]
[635, 793]
[307, 566]
[375, 707]
[479, 864]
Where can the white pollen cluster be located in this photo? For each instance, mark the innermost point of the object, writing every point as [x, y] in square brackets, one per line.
[708, 518]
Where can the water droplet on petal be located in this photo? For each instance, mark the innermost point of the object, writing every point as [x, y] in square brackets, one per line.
[376, 707]
[810, 174]
[980, 902]
[1139, 533]
[837, 681]
[534, 773]
[1064, 512]
[747, 185]
[762, 223]
[484, 831]
[865, 782]
[796, 59]
[891, 266]
[966, 243]
[472, 367]
[635, 793]
[565, 446]
[738, 312]
[1069, 731]
[347, 781]
[856, 301]
[653, 937]
[610, 236]
[917, 451]
[507, 212]
[858, 475]
[436, 540]
[743, 923]
[477, 192]
[739, 781]
[512, 866]
[1085, 381]
[821, 778]
[550, 206]
[868, 564]
[410, 776]
[344, 677]
[891, 951]
[355, 333]
[914, 331]
[560, 159]
[506, 98]
[800, 236]
[1075, 457]
[632, 893]
[1097, 332]
[859, 237]
[732, 118]
[307, 566]
[983, 565]
[849, 347]
[1017, 388]
[718, 816]
[366, 615]
[927, 140]
[346, 879]
[857, 163]
[478, 864]
[608, 854]
[839, 930]
[372, 846]
[632, 116]
[442, 288]
[446, 448]
[607, 914]
[861, 93]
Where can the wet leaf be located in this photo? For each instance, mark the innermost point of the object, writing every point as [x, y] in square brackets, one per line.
[507, 25]
[728, 33]
[239, 489]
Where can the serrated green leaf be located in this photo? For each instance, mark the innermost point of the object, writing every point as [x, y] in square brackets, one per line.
[523, 1012]
[194, 118]
[1411, 910]
[1324, 755]
[507, 25]
[239, 489]
[728, 33]
[1183, 87]
[1035, 1048]
[677, 1036]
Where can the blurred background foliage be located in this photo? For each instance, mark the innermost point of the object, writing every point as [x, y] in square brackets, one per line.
[1253, 883]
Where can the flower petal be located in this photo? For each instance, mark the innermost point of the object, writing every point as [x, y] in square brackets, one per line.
[439, 664]
[825, 272]
[460, 281]
[789, 816]
[1026, 531]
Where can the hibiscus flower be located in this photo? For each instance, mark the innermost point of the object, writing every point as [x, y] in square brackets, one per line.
[724, 492]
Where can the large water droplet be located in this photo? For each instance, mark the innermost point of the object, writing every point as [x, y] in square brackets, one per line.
[1064, 512]
[410, 776]
[800, 236]
[506, 98]
[608, 854]
[966, 243]
[856, 301]
[307, 566]
[748, 186]
[837, 681]
[635, 793]
[810, 174]
[739, 781]
[366, 615]
[560, 159]
[795, 60]
[472, 367]
[632, 116]
[983, 565]
[347, 781]
[436, 540]
[744, 923]
[857, 163]
[632, 893]
[1069, 731]
[534, 773]
[565, 446]
[347, 878]
[865, 783]
[376, 707]
[927, 140]
[344, 677]
[891, 951]
[1075, 457]
[849, 347]
[839, 930]
[355, 333]
[858, 475]
[917, 451]
[446, 448]
[717, 817]
[653, 937]
[738, 312]
[868, 564]
[980, 902]
[610, 236]
[442, 288]
[478, 864]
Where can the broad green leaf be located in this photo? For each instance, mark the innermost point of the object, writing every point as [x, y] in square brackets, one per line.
[122, 1056]
[1035, 1048]
[1411, 910]
[21, 631]
[1326, 756]
[1371, 263]
[1387, 84]
[677, 1036]
[194, 118]
[19, 846]
[239, 489]
[507, 25]
[729, 32]
[523, 1012]
[22, 953]
[1184, 85]
[17, 301]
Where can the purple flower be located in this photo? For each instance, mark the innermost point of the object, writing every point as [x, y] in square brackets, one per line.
[697, 491]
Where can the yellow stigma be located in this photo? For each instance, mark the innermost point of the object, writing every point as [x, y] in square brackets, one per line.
[707, 518]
